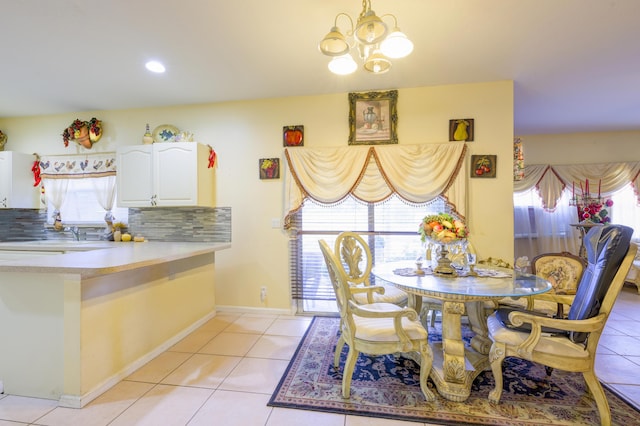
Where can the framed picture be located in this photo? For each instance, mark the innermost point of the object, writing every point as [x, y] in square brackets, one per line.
[483, 166]
[461, 129]
[293, 135]
[269, 168]
[373, 118]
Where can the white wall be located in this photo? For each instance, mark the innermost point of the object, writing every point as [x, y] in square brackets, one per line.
[245, 131]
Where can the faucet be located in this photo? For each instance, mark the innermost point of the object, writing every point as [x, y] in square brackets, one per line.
[75, 231]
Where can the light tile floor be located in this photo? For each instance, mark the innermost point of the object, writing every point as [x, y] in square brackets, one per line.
[224, 373]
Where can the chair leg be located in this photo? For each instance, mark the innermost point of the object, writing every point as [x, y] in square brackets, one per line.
[352, 357]
[336, 355]
[426, 361]
[496, 356]
[598, 395]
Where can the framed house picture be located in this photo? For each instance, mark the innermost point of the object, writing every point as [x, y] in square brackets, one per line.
[373, 118]
[483, 166]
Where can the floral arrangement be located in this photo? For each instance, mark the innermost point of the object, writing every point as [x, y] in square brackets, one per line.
[591, 208]
[442, 228]
[77, 128]
[595, 211]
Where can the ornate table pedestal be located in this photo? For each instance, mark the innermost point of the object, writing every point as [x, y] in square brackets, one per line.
[455, 364]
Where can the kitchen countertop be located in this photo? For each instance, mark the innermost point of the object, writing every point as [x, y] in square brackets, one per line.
[91, 258]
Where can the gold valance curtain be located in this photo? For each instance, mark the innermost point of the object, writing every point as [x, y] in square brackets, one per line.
[416, 173]
[550, 181]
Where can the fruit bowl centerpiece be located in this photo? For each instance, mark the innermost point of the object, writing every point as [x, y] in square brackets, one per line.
[442, 229]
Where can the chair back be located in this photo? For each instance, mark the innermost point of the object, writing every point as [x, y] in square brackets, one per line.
[340, 287]
[606, 248]
[562, 270]
[354, 255]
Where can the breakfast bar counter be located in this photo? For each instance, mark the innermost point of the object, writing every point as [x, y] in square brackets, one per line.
[76, 317]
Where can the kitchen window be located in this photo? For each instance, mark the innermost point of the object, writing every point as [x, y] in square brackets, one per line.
[81, 206]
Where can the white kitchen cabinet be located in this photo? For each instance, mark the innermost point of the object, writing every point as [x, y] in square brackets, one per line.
[165, 174]
[16, 181]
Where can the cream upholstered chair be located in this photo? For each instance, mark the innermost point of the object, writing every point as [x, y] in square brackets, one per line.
[563, 271]
[375, 328]
[633, 277]
[569, 344]
[354, 255]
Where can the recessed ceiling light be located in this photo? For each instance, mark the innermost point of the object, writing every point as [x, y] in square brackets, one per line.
[155, 66]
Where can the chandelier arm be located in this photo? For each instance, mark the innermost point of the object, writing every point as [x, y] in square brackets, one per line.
[348, 33]
[395, 20]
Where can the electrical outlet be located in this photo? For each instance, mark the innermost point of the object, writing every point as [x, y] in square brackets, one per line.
[263, 294]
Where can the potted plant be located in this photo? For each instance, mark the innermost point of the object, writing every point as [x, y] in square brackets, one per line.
[84, 133]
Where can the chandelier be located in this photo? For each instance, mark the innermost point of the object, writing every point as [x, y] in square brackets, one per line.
[370, 37]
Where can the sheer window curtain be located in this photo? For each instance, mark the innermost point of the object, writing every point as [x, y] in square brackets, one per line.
[105, 189]
[542, 231]
[56, 190]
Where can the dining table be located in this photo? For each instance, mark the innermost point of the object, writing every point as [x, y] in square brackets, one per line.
[456, 363]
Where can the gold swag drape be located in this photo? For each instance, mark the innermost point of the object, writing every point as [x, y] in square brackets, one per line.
[551, 180]
[416, 173]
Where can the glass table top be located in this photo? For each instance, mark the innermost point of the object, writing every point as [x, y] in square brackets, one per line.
[490, 282]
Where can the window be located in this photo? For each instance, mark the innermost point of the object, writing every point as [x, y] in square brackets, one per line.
[391, 227]
[81, 207]
[539, 231]
[626, 210]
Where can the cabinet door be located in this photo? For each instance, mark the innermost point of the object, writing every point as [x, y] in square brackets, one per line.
[134, 178]
[175, 174]
[16, 181]
[5, 179]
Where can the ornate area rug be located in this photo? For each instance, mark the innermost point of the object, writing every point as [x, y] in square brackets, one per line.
[388, 387]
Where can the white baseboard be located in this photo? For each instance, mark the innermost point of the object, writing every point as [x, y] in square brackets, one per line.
[75, 401]
[252, 310]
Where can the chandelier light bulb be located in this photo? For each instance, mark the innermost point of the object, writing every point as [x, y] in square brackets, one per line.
[343, 65]
[396, 45]
[377, 63]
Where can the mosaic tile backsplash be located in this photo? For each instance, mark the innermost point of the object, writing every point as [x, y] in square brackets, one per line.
[186, 224]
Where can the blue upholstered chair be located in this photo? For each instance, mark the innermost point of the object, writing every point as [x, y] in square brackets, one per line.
[569, 344]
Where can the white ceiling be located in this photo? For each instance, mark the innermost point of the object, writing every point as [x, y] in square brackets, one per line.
[575, 63]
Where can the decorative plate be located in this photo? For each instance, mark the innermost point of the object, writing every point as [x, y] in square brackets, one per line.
[165, 133]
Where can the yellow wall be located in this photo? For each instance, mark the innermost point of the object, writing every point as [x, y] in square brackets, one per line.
[244, 131]
[582, 148]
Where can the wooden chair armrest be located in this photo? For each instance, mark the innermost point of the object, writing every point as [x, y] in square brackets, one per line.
[367, 289]
[396, 315]
[517, 318]
[527, 347]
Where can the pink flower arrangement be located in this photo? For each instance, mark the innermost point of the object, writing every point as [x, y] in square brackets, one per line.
[595, 211]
